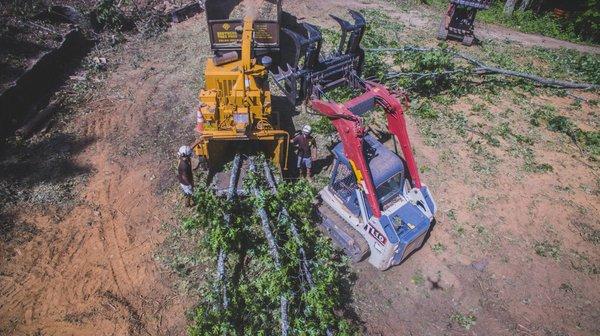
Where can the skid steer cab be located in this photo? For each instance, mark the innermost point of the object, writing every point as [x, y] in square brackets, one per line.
[375, 203]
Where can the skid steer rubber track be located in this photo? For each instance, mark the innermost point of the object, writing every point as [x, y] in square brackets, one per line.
[344, 236]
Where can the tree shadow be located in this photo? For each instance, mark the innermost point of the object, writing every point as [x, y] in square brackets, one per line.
[39, 175]
[11, 46]
[322, 164]
[34, 88]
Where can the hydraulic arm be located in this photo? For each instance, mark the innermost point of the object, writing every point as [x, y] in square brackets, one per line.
[345, 117]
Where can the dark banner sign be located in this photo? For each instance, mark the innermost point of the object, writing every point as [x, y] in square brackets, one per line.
[224, 33]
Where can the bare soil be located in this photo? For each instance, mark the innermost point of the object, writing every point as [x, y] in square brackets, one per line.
[87, 233]
[91, 267]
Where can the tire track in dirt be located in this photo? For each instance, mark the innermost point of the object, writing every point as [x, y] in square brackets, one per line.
[93, 272]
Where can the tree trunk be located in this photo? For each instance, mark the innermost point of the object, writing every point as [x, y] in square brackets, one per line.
[524, 5]
[266, 226]
[509, 7]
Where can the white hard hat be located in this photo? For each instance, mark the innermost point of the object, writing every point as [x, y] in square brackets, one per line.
[306, 129]
[185, 151]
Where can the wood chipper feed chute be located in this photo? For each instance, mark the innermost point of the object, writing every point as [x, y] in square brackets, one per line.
[235, 110]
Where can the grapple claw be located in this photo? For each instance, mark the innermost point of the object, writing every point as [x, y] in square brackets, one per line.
[314, 34]
[297, 38]
[299, 43]
[359, 19]
[345, 25]
[317, 75]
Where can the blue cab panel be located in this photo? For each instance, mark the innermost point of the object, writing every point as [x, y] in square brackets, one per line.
[412, 230]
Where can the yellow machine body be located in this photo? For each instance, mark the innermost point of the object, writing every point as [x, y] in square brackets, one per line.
[235, 111]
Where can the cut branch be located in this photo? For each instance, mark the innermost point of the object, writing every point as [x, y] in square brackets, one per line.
[222, 257]
[483, 69]
[266, 226]
[486, 70]
[295, 234]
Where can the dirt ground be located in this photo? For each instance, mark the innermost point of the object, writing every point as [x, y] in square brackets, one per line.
[91, 269]
[93, 207]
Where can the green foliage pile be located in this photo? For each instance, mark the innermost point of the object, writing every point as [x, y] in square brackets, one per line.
[381, 31]
[428, 73]
[323, 126]
[253, 283]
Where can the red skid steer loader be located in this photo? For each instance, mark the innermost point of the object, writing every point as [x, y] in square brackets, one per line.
[375, 204]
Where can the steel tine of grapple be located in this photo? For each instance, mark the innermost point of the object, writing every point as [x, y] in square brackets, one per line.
[359, 19]
[299, 41]
[346, 27]
[357, 31]
[313, 49]
[280, 74]
[314, 33]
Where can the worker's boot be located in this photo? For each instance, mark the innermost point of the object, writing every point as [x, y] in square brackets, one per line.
[309, 175]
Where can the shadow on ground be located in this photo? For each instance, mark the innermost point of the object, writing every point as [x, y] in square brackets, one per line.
[37, 175]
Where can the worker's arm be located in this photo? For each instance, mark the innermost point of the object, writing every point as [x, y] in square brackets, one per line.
[197, 164]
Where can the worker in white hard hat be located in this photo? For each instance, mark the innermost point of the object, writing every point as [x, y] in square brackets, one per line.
[307, 151]
[184, 174]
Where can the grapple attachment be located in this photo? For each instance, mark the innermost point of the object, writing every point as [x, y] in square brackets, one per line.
[307, 75]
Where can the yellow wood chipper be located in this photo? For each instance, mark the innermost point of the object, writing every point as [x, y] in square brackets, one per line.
[235, 113]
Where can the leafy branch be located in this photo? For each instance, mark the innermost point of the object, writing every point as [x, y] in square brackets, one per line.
[479, 68]
[285, 277]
